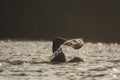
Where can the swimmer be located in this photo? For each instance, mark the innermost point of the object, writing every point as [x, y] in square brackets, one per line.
[58, 54]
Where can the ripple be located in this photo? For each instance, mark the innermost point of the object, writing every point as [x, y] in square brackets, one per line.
[19, 74]
[99, 75]
[98, 69]
[114, 61]
[1, 70]
[15, 62]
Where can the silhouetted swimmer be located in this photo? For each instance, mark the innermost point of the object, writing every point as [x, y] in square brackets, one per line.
[58, 55]
[57, 42]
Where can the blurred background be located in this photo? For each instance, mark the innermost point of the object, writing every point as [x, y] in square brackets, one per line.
[93, 20]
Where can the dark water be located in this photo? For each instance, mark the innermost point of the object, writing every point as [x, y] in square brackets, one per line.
[29, 60]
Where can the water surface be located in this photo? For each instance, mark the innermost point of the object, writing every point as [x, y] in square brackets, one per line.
[29, 60]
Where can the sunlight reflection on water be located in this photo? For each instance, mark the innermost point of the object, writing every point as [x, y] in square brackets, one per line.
[23, 60]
